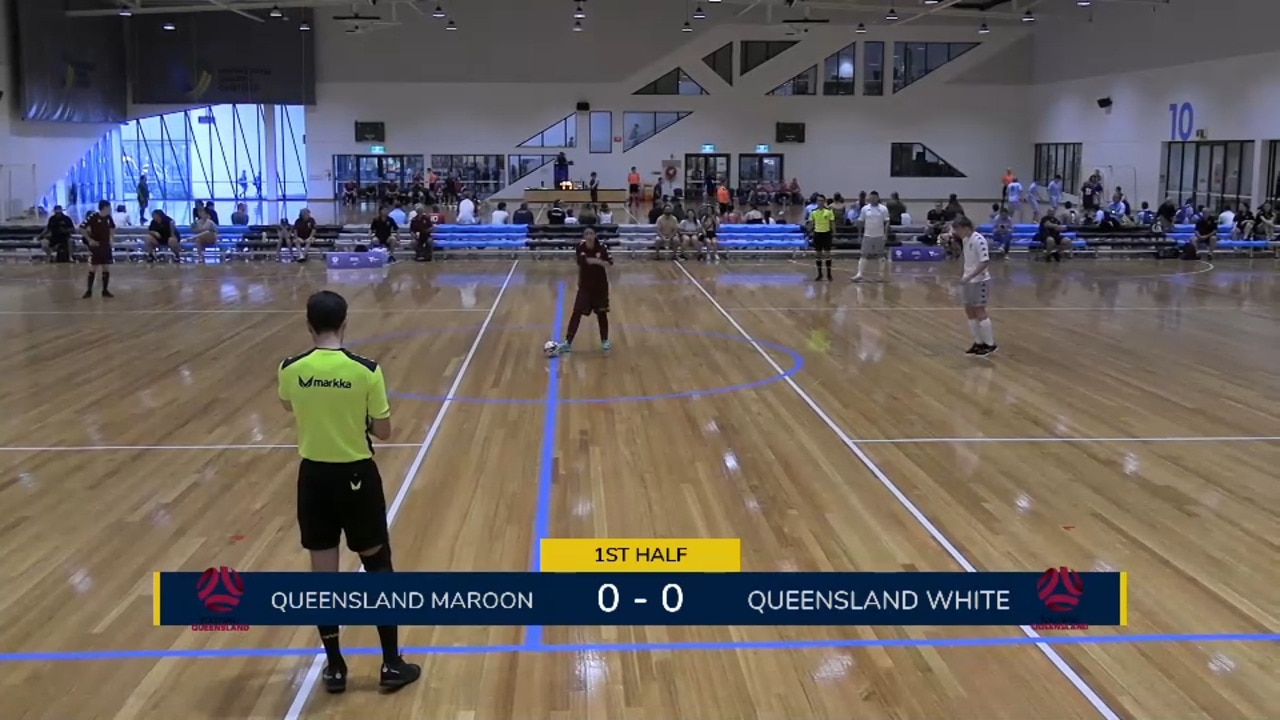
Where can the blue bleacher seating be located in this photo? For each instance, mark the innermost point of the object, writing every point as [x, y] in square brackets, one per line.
[763, 237]
[481, 236]
[1023, 235]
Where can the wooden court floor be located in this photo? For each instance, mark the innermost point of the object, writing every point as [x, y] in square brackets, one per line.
[1130, 421]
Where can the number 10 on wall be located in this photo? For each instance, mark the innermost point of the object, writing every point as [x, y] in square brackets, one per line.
[1182, 121]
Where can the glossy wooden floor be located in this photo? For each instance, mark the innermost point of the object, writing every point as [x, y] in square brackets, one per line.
[1131, 421]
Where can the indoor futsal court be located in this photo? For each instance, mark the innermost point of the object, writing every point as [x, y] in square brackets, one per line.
[1130, 421]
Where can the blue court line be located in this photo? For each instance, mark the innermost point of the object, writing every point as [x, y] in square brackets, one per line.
[546, 463]
[797, 364]
[83, 655]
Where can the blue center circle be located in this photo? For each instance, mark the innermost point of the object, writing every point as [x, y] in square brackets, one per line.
[797, 363]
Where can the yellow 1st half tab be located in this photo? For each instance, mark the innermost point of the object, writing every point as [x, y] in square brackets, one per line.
[642, 555]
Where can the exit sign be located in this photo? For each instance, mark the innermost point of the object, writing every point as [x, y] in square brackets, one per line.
[762, 149]
[377, 149]
[708, 148]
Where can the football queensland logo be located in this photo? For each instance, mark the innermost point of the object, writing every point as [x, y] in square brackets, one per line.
[1060, 589]
[220, 589]
[192, 81]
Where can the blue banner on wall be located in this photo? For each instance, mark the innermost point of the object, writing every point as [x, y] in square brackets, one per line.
[1057, 597]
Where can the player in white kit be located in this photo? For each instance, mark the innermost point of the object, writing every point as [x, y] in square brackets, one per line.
[875, 237]
[975, 285]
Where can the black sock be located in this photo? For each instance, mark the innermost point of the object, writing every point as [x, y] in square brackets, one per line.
[828, 266]
[818, 264]
[332, 650]
[106, 280]
[389, 636]
[603, 318]
[89, 288]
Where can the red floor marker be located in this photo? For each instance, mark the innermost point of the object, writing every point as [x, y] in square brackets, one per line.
[236, 538]
[1068, 527]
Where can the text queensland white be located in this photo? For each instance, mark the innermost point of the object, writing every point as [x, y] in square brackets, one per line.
[763, 601]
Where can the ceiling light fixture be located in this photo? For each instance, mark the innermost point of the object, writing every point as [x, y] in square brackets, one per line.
[861, 29]
[1028, 17]
[983, 29]
[450, 26]
[579, 12]
[577, 26]
[698, 14]
[687, 27]
[931, 2]
[275, 12]
[1084, 3]
[438, 12]
[305, 27]
[892, 15]
[125, 11]
[170, 27]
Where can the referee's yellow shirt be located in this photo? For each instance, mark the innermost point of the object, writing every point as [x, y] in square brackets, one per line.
[823, 219]
[334, 394]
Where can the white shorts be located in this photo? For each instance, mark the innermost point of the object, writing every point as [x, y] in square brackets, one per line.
[974, 294]
[874, 247]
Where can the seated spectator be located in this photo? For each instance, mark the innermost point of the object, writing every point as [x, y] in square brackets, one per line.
[121, 217]
[1050, 236]
[300, 236]
[837, 206]
[657, 211]
[896, 209]
[213, 212]
[499, 216]
[523, 215]
[707, 238]
[56, 238]
[606, 215]
[206, 232]
[1146, 217]
[569, 218]
[753, 217]
[1227, 217]
[1207, 234]
[556, 214]
[1166, 215]
[1002, 226]
[935, 225]
[398, 214]
[768, 218]
[1243, 228]
[1265, 226]
[588, 216]
[466, 210]
[240, 216]
[423, 229]
[953, 208]
[690, 229]
[668, 231]
[162, 231]
[733, 217]
[1186, 214]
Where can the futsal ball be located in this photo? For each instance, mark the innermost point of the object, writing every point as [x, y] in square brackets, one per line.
[549, 349]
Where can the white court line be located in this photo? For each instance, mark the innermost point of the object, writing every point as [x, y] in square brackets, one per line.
[313, 674]
[859, 441]
[245, 311]
[1049, 652]
[997, 307]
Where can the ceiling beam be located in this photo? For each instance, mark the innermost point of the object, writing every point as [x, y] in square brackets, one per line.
[241, 8]
[241, 13]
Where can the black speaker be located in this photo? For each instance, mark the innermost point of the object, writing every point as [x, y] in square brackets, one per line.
[1105, 103]
[584, 107]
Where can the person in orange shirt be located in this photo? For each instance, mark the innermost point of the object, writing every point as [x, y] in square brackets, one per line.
[633, 187]
[1005, 182]
[722, 197]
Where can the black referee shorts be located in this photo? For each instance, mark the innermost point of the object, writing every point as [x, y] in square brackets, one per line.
[341, 498]
[823, 241]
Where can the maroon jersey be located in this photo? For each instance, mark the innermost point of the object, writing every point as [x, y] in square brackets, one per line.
[421, 225]
[593, 278]
[304, 228]
[98, 228]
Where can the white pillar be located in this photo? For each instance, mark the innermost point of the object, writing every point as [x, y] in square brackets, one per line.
[1261, 148]
[270, 170]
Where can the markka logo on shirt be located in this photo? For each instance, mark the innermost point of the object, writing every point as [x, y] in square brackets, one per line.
[313, 382]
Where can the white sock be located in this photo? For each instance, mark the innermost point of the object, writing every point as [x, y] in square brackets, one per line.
[977, 334]
[862, 263]
[988, 335]
[884, 266]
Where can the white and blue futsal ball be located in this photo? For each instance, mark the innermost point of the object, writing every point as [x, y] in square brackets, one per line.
[550, 347]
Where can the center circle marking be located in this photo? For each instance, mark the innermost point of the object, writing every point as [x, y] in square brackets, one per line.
[797, 364]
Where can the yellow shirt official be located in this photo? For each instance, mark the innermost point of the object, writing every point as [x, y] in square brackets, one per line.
[823, 219]
[334, 393]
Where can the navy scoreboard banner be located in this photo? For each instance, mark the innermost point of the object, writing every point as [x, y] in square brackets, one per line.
[1057, 597]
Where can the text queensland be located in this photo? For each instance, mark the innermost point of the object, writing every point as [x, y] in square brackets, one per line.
[798, 600]
[411, 600]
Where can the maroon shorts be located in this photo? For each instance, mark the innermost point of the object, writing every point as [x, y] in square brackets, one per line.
[591, 300]
[101, 255]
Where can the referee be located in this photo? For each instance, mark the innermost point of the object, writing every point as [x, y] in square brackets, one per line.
[823, 220]
[338, 399]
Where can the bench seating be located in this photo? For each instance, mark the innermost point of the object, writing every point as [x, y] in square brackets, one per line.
[1084, 237]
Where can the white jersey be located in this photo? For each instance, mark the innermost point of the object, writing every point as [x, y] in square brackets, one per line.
[875, 221]
[976, 252]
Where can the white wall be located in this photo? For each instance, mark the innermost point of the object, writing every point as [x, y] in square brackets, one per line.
[1232, 91]
[33, 155]
[974, 127]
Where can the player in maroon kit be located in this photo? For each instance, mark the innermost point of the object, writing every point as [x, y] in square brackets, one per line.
[593, 289]
[98, 230]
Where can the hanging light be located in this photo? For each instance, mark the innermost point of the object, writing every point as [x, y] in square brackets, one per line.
[891, 15]
[687, 27]
[1028, 17]
[305, 27]
[450, 26]
[698, 14]
[579, 12]
[276, 13]
[983, 29]
[125, 11]
[714, 1]
[931, 2]
[577, 26]
[438, 12]
[168, 27]
[861, 29]
[1084, 3]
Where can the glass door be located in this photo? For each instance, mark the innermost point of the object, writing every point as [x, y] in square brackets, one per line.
[757, 170]
[700, 171]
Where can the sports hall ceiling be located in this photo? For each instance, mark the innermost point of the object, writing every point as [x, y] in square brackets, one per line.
[750, 11]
